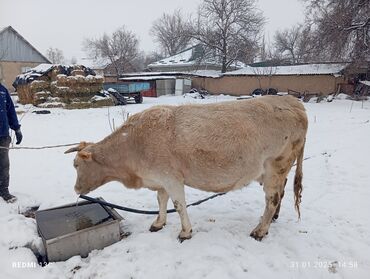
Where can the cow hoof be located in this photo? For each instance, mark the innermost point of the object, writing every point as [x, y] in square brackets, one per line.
[182, 239]
[258, 235]
[184, 236]
[155, 228]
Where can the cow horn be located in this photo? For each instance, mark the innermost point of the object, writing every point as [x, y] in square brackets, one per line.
[73, 149]
[78, 148]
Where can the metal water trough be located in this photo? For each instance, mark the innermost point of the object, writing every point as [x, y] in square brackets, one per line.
[71, 230]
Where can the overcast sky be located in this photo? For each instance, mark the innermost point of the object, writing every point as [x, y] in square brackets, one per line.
[64, 24]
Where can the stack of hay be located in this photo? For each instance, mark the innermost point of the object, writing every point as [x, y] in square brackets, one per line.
[71, 87]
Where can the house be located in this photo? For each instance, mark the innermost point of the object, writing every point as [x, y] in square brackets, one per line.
[17, 56]
[305, 79]
[319, 79]
[191, 59]
[165, 83]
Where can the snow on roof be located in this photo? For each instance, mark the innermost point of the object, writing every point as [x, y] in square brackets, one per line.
[307, 69]
[93, 64]
[148, 77]
[201, 73]
[206, 73]
[191, 56]
[180, 58]
[142, 74]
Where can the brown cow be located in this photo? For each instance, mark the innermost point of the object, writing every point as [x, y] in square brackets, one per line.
[213, 147]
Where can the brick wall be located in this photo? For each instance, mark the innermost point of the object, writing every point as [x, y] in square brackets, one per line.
[9, 71]
[244, 85]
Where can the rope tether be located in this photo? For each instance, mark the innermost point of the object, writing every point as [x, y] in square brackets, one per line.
[148, 212]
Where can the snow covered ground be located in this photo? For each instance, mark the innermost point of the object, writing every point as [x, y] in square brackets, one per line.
[331, 240]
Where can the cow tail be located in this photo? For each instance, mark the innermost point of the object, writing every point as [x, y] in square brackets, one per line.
[298, 181]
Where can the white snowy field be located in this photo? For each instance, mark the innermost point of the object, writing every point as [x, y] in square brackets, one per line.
[332, 240]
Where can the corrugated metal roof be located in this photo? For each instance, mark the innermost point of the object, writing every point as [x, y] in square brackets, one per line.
[15, 48]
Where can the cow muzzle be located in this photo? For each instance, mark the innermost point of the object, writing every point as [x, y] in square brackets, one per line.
[80, 190]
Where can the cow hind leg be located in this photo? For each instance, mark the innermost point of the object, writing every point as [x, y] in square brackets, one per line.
[160, 222]
[282, 165]
[273, 186]
[276, 215]
[272, 198]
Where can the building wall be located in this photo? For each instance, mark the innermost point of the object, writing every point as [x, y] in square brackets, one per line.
[244, 85]
[15, 48]
[10, 70]
[152, 91]
[165, 87]
[110, 79]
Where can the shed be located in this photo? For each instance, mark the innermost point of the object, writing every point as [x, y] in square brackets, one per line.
[320, 79]
[17, 56]
[161, 83]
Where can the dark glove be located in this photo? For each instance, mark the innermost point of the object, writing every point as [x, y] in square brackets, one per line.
[19, 136]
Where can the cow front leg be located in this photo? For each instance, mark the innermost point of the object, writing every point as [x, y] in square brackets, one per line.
[177, 195]
[272, 198]
[160, 222]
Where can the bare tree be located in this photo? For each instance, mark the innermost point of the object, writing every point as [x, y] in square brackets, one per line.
[171, 32]
[263, 50]
[230, 29]
[295, 42]
[152, 57]
[121, 49]
[267, 53]
[73, 60]
[143, 60]
[264, 73]
[55, 55]
[342, 28]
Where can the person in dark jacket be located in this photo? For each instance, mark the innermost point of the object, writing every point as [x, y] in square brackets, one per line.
[8, 119]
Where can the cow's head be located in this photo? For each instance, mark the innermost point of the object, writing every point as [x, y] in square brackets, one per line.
[90, 167]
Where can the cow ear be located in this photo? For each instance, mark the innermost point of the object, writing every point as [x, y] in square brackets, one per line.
[85, 155]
